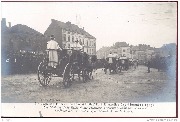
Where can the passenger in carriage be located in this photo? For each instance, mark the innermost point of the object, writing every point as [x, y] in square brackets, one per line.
[52, 48]
[110, 58]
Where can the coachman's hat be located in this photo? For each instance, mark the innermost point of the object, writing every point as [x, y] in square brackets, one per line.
[52, 37]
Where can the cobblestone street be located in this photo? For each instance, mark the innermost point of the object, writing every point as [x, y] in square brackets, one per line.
[128, 86]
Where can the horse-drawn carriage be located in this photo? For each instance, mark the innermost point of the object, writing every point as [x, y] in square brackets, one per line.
[117, 65]
[124, 63]
[68, 66]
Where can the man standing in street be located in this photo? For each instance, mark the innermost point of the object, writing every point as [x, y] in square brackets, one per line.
[110, 61]
[52, 48]
[148, 65]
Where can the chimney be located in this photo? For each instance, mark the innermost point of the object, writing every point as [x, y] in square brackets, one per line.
[9, 24]
[3, 22]
[68, 22]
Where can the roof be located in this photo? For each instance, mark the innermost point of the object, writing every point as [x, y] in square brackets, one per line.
[120, 44]
[135, 48]
[123, 44]
[72, 27]
[23, 29]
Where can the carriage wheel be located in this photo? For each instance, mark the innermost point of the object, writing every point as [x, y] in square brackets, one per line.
[90, 75]
[44, 74]
[67, 76]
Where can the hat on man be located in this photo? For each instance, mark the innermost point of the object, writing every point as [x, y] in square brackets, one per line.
[52, 37]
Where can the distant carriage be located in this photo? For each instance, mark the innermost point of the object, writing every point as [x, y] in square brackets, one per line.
[114, 67]
[124, 62]
[68, 66]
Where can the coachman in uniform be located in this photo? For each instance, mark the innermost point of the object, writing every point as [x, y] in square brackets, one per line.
[52, 48]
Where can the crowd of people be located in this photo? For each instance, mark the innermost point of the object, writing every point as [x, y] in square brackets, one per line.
[161, 63]
[20, 63]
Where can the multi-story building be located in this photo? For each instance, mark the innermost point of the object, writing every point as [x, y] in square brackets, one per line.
[103, 52]
[121, 48]
[125, 52]
[141, 56]
[150, 54]
[71, 36]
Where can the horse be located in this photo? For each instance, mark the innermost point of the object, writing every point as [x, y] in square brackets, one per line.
[82, 64]
[90, 64]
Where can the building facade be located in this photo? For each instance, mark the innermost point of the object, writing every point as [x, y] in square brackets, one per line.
[121, 48]
[71, 36]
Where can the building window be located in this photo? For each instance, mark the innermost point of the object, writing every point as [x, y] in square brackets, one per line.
[80, 42]
[64, 45]
[83, 41]
[64, 37]
[72, 38]
[87, 42]
[68, 38]
[68, 32]
[124, 50]
[69, 46]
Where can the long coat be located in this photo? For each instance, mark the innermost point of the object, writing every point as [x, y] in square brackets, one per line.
[52, 47]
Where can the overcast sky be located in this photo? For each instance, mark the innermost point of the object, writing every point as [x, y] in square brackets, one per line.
[152, 23]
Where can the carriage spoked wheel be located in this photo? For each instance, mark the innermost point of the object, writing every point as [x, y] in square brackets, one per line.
[90, 75]
[44, 74]
[67, 76]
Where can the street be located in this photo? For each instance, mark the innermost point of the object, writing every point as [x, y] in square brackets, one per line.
[134, 85]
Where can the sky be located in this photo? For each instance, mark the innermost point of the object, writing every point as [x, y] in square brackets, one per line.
[152, 23]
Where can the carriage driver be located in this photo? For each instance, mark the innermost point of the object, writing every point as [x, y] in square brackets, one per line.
[110, 58]
[52, 50]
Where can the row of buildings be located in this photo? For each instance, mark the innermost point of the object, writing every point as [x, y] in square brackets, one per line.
[142, 52]
[21, 38]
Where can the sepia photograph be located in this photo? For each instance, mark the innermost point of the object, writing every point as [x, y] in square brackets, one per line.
[89, 59]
